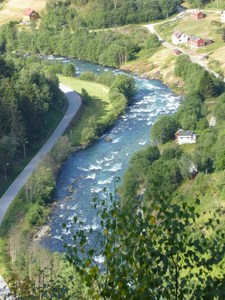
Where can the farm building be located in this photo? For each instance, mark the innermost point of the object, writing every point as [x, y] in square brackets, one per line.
[197, 15]
[179, 37]
[177, 52]
[30, 15]
[196, 42]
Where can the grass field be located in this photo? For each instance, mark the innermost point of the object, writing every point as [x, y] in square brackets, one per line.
[12, 10]
[99, 107]
[201, 28]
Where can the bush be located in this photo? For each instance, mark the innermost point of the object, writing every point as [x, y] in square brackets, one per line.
[164, 129]
[35, 215]
[69, 70]
[216, 23]
[88, 76]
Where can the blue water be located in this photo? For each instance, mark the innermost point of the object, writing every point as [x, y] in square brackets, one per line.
[87, 172]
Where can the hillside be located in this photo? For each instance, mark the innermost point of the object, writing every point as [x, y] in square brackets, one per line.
[12, 10]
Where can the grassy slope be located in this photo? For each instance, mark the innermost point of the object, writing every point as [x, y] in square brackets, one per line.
[201, 28]
[12, 10]
[99, 107]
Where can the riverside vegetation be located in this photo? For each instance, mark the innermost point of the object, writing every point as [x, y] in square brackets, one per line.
[186, 263]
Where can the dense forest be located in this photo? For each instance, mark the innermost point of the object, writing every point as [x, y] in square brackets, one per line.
[113, 48]
[65, 31]
[28, 97]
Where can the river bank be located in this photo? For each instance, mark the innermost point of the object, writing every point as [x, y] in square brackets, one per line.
[110, 167]
[158, 66]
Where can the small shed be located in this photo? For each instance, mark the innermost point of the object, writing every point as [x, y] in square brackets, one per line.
[178, 37]
[197, 15]
[208, 42]
[196, 42]
[185, 137]
[177, 52]
[30, 15]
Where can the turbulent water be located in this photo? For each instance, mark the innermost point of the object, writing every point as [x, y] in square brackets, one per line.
[87, 172]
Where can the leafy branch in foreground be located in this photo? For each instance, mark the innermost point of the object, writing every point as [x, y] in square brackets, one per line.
[162, 252]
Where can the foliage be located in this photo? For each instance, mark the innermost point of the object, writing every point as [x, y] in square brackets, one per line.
[34, 215]
[69, 70]
[89, 132]
[136, 173]
[101, 14]
[198, 3]
[164, 129]
[152, 42]
[206, 84]
[86, 98]
[63, 31]
[155, 253]
[125, 85]
[190, 111]
[49, 277]
[28, 98]
[40, 185]
[89, 76]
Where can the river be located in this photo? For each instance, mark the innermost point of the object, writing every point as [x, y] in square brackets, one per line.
[87, 172]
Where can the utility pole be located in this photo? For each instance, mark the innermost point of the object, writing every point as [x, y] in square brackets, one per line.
[24, 150]
[5, 171]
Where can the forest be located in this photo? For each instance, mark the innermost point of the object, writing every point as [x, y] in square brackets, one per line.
[28, 99]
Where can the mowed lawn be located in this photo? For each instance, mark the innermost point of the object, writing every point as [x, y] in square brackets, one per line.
[12, 10]
[99, 107]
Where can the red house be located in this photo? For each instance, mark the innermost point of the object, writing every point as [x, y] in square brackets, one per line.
[30, 14]
[196, 42]
[197, 15]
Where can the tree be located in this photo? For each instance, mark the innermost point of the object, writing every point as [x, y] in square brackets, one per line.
[89, 132]
[206, 86]
[125, 85]
[86, 98]
[164, 129]
[69, 70]
[157, 253]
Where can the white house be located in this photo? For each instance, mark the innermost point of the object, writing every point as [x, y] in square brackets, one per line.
[222, 16]
[179, 37]
[185, 137]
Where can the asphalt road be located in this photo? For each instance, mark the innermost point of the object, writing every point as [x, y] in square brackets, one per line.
[74, 104]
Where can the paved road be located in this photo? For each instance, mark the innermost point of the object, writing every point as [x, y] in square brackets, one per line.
[74, 103]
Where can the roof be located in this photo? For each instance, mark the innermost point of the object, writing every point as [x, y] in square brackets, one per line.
[195, 38]
[184, 133]
[178, 34]
[177, 51]
[28, 12]
[196, 12]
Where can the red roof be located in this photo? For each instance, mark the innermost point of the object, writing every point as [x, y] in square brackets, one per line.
[196, 12]
[28, 12]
